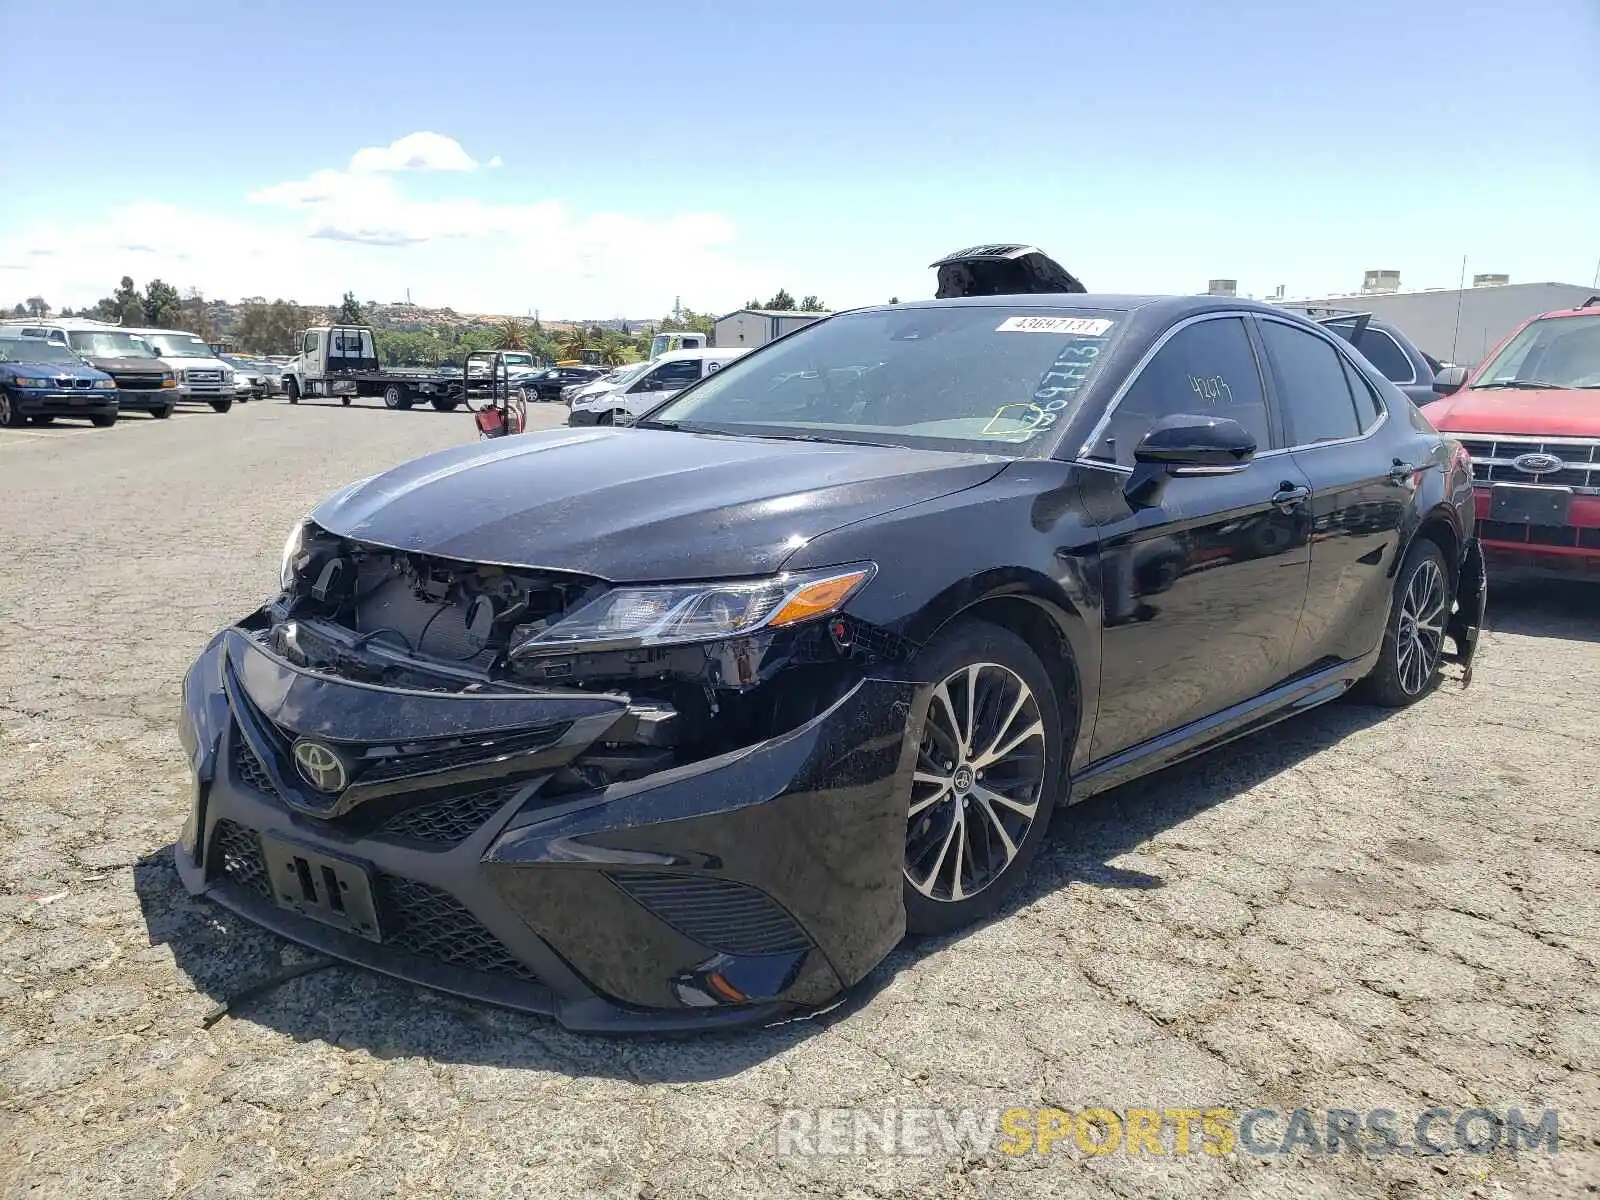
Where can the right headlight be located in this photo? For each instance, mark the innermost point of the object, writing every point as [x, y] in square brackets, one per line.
[678, 613]
[293, 547]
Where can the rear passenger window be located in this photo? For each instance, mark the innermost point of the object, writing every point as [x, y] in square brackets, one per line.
[1206, 369]
[1368, 407]
[1313, 389]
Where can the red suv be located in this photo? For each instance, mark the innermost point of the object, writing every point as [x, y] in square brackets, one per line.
[1529, 416]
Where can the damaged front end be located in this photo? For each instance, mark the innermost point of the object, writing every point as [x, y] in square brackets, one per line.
[527, 786]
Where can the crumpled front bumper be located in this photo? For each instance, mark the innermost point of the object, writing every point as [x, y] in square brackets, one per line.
[738, 889]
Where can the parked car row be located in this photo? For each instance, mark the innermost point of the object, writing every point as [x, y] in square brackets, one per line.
[78, 368]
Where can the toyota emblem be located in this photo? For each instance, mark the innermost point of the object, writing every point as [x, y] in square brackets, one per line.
[1537, 464]
[320, 765]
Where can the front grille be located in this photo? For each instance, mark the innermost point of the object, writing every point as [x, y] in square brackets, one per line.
[718, 913]
[139, 383]
[236, 856]
[482, 750]
[430, 923]
[247, 768]
[447, 822]
[203, 376]
[1540, 535]
[1492, 459]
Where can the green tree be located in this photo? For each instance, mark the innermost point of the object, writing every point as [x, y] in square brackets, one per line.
[571, 341]
[350, 311]
[162, 305]
[196, 316]
[752, 303]
[20, 310]
[264, 328]
[513, 335]
[894, 299]
[782, 302]
[812, 304]
[37, 307]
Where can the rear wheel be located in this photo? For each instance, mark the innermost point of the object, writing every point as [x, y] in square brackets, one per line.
[291, 389]
[42, 420]
[1413, 639]
[445, 405]
[989, 772]
[103, 420]
[395, 396]
[221, 406]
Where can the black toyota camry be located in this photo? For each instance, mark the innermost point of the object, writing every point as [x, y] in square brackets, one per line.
[689, 723]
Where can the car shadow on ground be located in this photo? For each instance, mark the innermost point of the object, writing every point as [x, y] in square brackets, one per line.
[1560, 608]
[351, 1007]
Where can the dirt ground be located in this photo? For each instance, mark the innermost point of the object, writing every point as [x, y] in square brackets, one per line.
[1354, 910]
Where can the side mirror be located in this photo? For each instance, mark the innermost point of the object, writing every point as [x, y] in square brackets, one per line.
[1192, 445]
[1186, 444]
[1449, 380]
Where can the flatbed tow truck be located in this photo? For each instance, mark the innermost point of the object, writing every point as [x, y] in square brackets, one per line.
[341, 361]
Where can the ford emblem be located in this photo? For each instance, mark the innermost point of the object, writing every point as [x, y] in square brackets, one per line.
[1537, 464]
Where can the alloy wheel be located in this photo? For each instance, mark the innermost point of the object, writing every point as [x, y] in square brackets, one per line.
[978, 781]
[5, 410]
[1420, 636]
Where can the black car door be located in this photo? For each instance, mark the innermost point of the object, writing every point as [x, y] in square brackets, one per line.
[1203, 582]
[1359, 488]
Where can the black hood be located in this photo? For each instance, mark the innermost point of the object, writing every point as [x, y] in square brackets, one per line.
[639, 504]
[128, 366]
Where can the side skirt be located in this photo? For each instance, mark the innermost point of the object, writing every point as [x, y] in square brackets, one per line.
[1287, 699]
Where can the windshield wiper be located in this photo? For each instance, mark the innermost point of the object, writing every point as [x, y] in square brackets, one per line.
[1530, 384]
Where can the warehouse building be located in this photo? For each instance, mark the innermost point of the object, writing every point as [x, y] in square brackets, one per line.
[1457, 325]
[752, 327]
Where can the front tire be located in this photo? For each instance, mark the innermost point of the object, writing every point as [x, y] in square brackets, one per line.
[990, 769]
[1413, 638]
[445, 405]
[291, 389]
[103, 420]
[221, 406]
[42, 420]
[161, 414]
[10, 418]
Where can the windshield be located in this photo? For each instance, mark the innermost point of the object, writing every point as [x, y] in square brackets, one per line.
[993, 379]
[624, 376]
[179, 345]
[1557, 352]
[102, 344]
[34, 350]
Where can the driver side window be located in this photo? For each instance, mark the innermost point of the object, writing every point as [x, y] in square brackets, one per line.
[1205, 369]
[309, 345]
[670, 376]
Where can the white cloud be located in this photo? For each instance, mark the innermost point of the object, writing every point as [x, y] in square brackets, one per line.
[359, 229]
[415, 152]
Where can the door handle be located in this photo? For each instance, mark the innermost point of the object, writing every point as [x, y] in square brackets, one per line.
[1288, 495]
[1402, 471]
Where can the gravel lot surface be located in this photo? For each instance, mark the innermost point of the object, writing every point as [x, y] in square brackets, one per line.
[1356, 910]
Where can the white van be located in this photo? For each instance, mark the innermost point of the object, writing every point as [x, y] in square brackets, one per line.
[634, 394]
[202, 376]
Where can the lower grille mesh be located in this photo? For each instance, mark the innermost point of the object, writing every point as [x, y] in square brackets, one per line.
[718, 913]
[415, 917]
[247, 768]
[434, 924]
[236, 853]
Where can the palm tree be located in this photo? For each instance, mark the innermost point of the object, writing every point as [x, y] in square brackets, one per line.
[572, 341]
[614, 350]
[513, 335]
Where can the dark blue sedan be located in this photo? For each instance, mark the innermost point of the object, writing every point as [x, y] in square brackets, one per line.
[40, 382]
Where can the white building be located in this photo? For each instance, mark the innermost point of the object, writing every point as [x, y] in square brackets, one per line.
[751, 327]
[1459, 325]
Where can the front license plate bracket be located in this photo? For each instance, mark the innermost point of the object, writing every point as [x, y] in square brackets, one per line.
[325, 888]
[1530, 504]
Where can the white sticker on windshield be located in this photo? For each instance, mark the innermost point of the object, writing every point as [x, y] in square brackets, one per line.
[1082, 326]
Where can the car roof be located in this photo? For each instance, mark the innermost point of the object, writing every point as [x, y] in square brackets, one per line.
[697, 352]
[1144, 303]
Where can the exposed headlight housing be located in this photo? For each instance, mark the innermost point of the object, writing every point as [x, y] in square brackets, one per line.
[674, 614]
[293, 551]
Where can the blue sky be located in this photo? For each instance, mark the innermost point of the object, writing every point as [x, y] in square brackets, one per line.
[602, 159]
